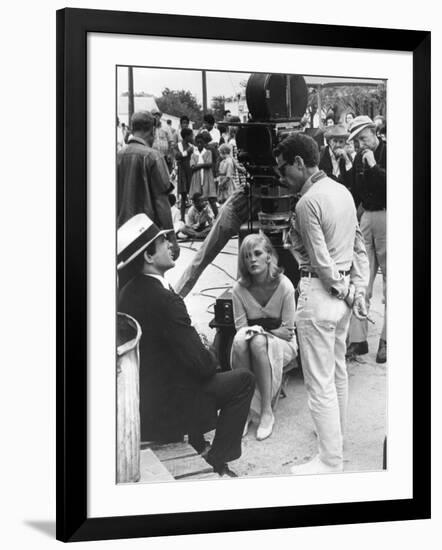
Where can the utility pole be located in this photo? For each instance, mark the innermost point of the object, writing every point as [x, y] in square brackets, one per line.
[130, 75]
[204, 92]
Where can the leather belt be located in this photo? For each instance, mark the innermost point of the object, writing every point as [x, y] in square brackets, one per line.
[314, 275]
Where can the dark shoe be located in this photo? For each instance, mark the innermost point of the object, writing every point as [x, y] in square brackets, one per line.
[205, 452]
[200, 444]
[381, 356]
[357, 348]
[224, 470]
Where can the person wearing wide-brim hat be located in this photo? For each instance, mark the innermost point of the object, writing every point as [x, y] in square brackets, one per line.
[369, 188]
[334, 159]
[180, 388]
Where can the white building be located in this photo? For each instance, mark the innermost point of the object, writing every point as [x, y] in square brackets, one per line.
[238, 107]
[144, 103]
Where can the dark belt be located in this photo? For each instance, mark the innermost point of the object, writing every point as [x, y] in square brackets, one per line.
[315, 275]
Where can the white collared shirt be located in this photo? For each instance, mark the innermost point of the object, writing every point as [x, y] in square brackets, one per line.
[161, 279]
[215, 135]
[200, 155]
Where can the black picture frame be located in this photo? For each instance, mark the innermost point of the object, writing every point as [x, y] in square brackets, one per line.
[73, 25]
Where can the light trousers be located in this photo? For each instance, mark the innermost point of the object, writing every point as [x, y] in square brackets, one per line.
[374, 229]
[322, 323]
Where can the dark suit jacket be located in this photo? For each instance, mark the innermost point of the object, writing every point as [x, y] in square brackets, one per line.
[325, 164]
[370, 184]
[174, 364]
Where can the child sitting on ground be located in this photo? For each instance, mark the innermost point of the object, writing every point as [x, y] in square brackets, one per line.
[199, 218]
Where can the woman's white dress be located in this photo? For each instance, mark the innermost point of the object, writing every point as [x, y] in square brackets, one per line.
[249, 313]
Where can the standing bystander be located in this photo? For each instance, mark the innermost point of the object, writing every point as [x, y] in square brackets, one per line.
[142, 177]
[334, 159]
[163, 142]
[370, 193]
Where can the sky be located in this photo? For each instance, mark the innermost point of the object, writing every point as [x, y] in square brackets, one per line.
[219, 83]
[153, 81]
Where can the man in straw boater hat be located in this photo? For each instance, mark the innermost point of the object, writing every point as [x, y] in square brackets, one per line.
[180, 388]
[369, 189]
[334, 159]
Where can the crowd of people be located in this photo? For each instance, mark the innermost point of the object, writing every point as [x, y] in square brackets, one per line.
[337, 236]
[203, 161]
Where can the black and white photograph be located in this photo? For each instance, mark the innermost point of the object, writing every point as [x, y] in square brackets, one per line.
[223, 297]
[202, 345]
[251, 283]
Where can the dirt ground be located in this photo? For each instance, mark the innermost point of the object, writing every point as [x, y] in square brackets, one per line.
[293, 440]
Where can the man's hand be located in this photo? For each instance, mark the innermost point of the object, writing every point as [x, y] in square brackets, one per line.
[368, 158]
[285, 333]
[340, 152]
[360, 307]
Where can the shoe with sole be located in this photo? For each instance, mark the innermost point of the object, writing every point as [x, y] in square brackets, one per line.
[381, 356]
[315, 466]
[224, 470]
[357, 348]
[265, 430]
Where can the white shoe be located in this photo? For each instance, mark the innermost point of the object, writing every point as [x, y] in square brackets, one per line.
[265, 430]
[246, 426]
[316, 466]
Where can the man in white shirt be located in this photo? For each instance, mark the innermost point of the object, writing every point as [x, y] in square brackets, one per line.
[209, 125]
[329, 248]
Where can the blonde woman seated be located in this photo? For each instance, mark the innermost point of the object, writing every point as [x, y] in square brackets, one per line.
[264, 313]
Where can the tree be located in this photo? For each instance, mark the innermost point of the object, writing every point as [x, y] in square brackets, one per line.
[361, 100]
[179, 103]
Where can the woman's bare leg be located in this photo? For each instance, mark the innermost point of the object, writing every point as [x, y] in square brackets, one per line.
[261, 368]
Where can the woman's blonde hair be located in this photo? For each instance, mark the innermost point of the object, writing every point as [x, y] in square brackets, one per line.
[248, 243]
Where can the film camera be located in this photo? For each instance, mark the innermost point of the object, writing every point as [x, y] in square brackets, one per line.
[276, 103]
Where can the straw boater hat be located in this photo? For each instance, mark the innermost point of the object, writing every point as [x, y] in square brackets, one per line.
[337, 131]
[134, 236]
[358, 124]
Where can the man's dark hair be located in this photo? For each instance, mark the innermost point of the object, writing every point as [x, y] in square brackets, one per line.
[196, 197]
[298, 145]
[185, 132]
[172, 199]
[184, 118]
[205, 136]
[142, 121]
[210, 119]
[137, 264]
